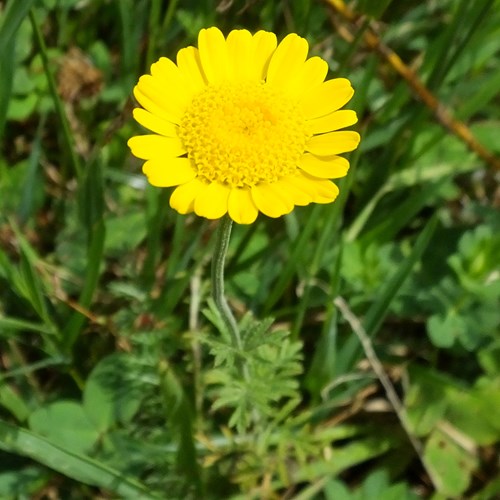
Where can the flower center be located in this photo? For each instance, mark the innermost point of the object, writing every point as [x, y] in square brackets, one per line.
[241, 134]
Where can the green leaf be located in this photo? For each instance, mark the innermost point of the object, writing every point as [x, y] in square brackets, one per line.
[91, 196]
[434, 400]
[12, 402]
[180, 419]
[476, 263]
[374, 9]
[68, 138]
[380, 307]
[17, 324]
[336, 489]
[425, 402]
[444, 330]
[298, 248]
[6, 76]
[477, 412]
[69, 463]
[10, 21]
[377, 485]
[378, 310]
[486, 131]
[489, 358]
[125, 232]
[490, 490]
[272, 362]
[65, 423]
[21, 482]
[31, 197]
[94, 255]
[345, 457]
[28, 282]
[452, 465]
[111, 395]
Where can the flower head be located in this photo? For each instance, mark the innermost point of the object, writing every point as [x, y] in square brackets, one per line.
[242, 125]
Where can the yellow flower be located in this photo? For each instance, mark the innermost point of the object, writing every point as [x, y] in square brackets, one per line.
[242, 125]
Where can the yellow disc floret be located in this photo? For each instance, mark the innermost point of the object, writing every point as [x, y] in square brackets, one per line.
[242, 134]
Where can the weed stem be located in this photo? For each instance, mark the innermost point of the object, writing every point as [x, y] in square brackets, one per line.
[222, 238]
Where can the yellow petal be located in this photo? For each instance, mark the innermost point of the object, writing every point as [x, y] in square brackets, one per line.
[168, 96]
[281, 188]
[302, 183]
[295, 190]
[264, 46]
[166, 71]
[328, 97]
[189, 64]
[311, 74]
[333, 121]
[326, 167]
[240, 53]
[211, 202]
[270, 201]
[165, 68]
[151, 146]
[150, 96]
[241, 207]
[155, 123]
[320, 190]
[333, 143]
[153, 107]
[172, 82]
[213, 55]
[287, 59]
[168, 172]
[326, 192]
[183, 197]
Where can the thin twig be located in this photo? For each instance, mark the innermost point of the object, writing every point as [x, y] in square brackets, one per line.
[442, 114]
[379, 371]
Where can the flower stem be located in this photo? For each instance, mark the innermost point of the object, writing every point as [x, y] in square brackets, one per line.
[221, 244]
[222, 237]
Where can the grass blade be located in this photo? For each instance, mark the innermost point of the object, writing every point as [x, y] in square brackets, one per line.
[9, 323]
[81, 468]
[14, 14]
[378, 311]
[94, 256]
[68, 138]
[293, 261]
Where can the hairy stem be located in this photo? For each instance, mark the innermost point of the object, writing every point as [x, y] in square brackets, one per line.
[221, 244]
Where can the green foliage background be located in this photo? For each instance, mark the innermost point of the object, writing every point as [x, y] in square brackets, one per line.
[116, 377]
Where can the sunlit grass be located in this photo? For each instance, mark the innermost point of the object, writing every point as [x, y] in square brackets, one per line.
[107, 348]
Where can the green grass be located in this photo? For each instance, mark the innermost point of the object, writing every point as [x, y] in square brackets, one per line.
[117, 376]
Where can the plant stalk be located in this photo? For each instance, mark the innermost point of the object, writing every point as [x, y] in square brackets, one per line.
[222, 238]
